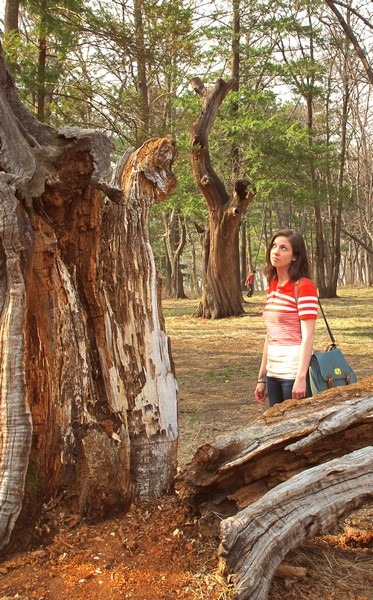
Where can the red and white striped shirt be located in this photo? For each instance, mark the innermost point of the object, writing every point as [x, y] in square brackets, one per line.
[282, 316]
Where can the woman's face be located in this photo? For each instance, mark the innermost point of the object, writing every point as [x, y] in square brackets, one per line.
[281, 253]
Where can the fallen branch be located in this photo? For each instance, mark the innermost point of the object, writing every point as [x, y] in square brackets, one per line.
[257, 539]
[235, 470]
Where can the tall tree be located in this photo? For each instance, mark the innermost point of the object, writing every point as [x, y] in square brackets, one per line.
[236, 166]
[39, 56]
[303, 71]
[141, 79]
[175, 239]
[11, 15]
[222, 295]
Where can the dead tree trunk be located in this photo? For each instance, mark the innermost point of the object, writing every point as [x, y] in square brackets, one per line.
[87, 388]
[222, 296]
[257, 539]
[237, 469]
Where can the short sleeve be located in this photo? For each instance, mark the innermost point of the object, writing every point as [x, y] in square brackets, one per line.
[307, 299]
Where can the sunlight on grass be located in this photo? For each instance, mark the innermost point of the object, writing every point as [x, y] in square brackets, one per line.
[350, 317]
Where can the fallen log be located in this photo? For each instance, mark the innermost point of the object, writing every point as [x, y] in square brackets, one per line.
[234, 470]
[256, 540]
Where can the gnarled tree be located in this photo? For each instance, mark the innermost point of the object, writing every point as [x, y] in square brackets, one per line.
[87, 388]
[222, 295]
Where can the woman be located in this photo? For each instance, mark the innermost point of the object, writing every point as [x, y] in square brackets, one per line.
[290, 315]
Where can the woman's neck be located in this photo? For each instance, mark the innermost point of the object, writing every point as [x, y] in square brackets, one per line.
[282, 276]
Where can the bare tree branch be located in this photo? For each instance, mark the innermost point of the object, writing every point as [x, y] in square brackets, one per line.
[351, 36]
[358, 241]
[354, 12]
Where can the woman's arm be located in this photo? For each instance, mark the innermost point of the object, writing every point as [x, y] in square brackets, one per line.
[308, 334]
[261, 387]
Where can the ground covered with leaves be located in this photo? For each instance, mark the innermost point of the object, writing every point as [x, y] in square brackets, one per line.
[158, 550]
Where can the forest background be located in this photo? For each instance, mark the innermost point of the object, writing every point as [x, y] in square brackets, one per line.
[298, 124]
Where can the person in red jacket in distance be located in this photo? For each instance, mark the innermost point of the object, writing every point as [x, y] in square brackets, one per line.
[250, 281]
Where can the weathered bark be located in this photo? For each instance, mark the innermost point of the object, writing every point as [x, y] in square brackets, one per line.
[16, 425]
[257, 539]
[11, 14]
[222, 296]
[291, 475]
[235, 470]
[87, 389]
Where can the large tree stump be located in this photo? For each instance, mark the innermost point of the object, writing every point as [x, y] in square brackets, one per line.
[88, 394]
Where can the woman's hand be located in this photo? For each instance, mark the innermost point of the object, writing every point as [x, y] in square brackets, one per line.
[260, 392]
[308, 334]
[299, 388]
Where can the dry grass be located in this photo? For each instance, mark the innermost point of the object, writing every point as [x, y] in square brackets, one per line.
[217, 361]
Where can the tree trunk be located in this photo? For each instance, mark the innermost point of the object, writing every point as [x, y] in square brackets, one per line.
[235, 150]
[11, 14]
[87, 389]
[42, 63]
[142, 82]
[42, 59]
[222, 296]
[194, 275]
[167, 286]
[244, 261]
[257, 539]
[337, 216]
[175, 239]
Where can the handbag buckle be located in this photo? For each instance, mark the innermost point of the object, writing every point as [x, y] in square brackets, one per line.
[329, 380]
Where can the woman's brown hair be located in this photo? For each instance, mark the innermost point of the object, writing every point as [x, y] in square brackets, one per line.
[300, 266]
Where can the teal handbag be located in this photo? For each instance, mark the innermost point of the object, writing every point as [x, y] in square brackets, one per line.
[328, 370]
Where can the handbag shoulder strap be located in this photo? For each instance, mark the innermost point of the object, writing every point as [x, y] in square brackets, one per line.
[327, 324]
[334, 343]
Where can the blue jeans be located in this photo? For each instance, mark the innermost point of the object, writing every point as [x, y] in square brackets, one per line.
[279, 390]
